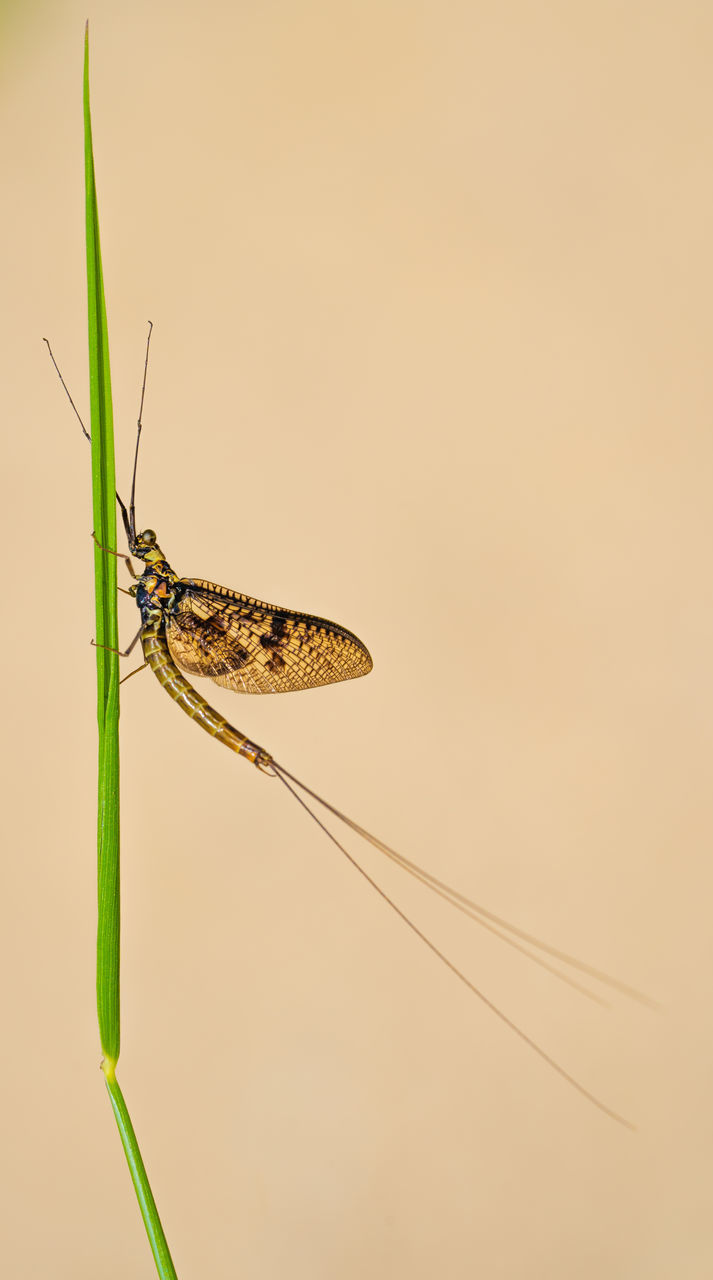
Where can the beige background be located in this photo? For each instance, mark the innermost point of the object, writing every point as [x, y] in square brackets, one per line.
[432, 292]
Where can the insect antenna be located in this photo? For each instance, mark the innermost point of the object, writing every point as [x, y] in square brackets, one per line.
[66, 389]
[78, 416]
[130, 521]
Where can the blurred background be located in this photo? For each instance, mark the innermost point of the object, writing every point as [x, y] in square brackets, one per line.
[431, 287]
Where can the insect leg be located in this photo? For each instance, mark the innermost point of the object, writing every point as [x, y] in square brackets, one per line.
[119, 555]
[135, 672]
[123, 653]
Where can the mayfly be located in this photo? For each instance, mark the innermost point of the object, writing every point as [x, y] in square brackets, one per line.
[195, 626]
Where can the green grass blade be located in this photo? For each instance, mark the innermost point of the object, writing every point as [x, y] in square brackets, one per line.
[147, 1204]
[104, 505]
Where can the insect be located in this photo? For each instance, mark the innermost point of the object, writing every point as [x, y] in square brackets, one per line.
[194, 626]
[241, 643]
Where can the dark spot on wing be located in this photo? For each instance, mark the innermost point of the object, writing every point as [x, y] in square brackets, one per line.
[276, 635]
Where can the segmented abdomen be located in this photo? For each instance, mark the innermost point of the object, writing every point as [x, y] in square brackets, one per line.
[156, 653]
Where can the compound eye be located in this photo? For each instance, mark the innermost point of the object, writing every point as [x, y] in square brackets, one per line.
[149, 537]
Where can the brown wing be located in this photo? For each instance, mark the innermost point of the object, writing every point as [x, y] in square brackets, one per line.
[253, 647]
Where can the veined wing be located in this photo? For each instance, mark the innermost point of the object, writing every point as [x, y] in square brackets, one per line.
[252, 647]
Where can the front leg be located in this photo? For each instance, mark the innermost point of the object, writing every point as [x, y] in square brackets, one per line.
[119, 555]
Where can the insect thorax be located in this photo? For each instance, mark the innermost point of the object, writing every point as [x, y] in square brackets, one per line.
[157, 592]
